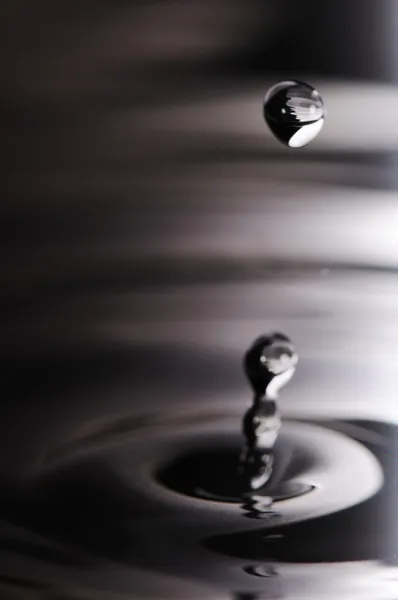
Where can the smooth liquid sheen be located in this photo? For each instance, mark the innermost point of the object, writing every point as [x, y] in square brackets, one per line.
[116, 496]
[294, 112]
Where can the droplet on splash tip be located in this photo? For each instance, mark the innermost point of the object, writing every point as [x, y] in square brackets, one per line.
[295, 113]
[270, 363]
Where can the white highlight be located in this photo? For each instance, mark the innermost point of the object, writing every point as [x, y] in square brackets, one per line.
[306, 134]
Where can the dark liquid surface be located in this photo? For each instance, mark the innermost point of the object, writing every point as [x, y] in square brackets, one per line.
[117, 506]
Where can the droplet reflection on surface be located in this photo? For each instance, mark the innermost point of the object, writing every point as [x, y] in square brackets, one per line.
[294, 112]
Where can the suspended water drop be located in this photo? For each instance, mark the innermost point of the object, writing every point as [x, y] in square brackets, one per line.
[294, 112]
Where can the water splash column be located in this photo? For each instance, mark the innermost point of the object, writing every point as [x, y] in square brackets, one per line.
[269, 364]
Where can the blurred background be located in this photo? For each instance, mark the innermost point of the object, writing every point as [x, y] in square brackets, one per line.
[152, 226]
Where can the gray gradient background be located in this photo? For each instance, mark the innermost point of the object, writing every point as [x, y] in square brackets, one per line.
[151, 226]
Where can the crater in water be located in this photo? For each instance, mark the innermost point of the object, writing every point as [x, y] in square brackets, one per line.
[212, 474]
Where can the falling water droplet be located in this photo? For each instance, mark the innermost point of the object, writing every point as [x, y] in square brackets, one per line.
[294, 112]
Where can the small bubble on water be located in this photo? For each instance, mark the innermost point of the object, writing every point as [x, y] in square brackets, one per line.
[261, 570]
[294, 112]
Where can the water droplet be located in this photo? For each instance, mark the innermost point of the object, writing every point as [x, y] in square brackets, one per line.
[261, 570]
[270, 363]
[294, 112]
